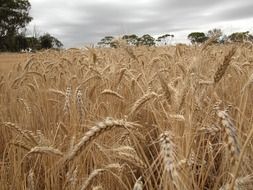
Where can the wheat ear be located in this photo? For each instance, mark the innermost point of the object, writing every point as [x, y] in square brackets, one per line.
[223, 67]
[30, 180]
[240, 183]
[142, 101]
[28, 135]
[45, 150]
[133, 159]
[94, 132]
[168, 153]
[96, 172]
[112, 93]
[231, 135]
[168, 91]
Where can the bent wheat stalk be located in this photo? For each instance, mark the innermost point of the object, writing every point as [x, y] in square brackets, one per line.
[94, 132]
[142, 101]
[112, 93]
[97, 172]
[138, 184]
[45, 150]
[223, 67]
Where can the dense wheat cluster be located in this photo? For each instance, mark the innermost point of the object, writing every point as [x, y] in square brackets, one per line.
[151, 118]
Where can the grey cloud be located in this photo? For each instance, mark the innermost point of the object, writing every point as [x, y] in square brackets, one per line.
[77, 22]
[239, 12]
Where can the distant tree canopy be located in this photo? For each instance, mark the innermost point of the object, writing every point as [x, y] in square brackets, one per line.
[215, 34]
[197, 37]
[14, 16]
[134, 40]
[47, 41]
[147, 40]
[107, 41]
[240, 37]
[131, 39]
[164, 39]
[219, 37]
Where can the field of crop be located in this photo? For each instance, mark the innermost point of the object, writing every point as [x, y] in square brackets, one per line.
[7, 60]
[151, 118]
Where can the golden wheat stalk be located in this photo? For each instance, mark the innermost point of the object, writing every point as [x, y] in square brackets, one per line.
[240, 183]
[231, 135]
[177, 117]
[134, 159]
[167, 90]
[169, 155]
[30, 180]
[168, 152]
[45, 150]
[138, 184]
[112, 93]
[21, 144]
[93, 133]
[28, 135]
[140, 102]
[98, 187]
[248, 83]
[71, 177]
[66, 107]
[223, 67]
[80, 105]
[97, 172]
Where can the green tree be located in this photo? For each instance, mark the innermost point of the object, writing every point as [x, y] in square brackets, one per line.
[131, 39]
[164, 39]
[47, 41]
[197, 37]
[146, 40]
[250, 38]
[33, 43]
[107, 41]
[240, 36]
[21, 42]
[216, 34]
[14, 15]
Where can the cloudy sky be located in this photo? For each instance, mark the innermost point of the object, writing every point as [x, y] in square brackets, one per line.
[80, 22]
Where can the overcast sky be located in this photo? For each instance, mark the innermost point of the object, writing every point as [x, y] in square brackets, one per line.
[80, 22]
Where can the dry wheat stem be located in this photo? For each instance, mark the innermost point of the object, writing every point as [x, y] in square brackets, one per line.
[169, 155]
[93, 133]
[241, 157]
[97, 172]
[112, 93]
[133, 159]
[138, 184]
[142, 101]
[45, 150]
[231, 135]
[223, 67]
[30, 180]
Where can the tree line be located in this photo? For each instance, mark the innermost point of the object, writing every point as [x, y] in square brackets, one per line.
[134, 40]
[195, 38]
[219, 37]
[14, 17]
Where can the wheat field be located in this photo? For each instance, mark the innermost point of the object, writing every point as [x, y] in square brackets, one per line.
[132, 118]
